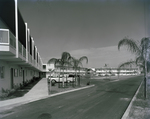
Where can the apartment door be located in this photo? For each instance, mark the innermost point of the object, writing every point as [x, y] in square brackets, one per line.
[11, 78]
[23, 76]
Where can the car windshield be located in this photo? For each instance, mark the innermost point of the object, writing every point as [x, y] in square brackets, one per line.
[71, 76]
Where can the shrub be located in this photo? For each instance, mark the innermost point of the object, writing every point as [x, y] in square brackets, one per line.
[88, 83]
[4, 93]
[21, 86]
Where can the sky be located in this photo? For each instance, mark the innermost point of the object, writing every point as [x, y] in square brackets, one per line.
[89, 28]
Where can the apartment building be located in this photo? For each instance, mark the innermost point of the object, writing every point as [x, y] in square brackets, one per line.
[19, 57]
[50, 69]
[116, 71]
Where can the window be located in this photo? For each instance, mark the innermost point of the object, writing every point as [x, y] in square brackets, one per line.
[20, 72]
[26, 72]
[2, 72]
[44, 66]
[31, 73]
[16, 72]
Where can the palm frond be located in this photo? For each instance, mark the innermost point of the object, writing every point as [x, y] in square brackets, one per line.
[83, 58]
[66, 63]
[127, 64]
[131, 44]
[80, 64]
[139, 59]
[145, 42]
[65, 56]
[53, 60]
[141, 66]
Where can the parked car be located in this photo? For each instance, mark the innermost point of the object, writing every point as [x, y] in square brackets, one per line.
[60, 78]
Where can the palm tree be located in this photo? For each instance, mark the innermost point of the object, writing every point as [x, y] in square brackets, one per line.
[140, 49]
[106, 67]
[77, 64]
[61, 63]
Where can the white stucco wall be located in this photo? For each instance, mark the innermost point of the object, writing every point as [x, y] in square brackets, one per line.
[5, 82]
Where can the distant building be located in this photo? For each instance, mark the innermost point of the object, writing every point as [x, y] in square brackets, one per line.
[116, 71]
[50, 69]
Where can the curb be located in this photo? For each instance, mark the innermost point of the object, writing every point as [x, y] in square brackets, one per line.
[40, 98]
[126, 114]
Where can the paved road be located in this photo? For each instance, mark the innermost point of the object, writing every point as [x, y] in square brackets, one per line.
[107, 100]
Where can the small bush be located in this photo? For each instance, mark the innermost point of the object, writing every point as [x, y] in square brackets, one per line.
[21, 86]
[4, 93]
[88, 83]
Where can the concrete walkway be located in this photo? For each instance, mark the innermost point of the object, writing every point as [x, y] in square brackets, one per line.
[39, 91]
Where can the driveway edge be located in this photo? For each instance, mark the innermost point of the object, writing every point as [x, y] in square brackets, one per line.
[126, 114]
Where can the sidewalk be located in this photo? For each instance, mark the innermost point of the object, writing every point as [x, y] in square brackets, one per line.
[39, 91]
[138, 107]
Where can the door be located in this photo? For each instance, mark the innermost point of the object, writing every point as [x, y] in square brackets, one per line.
[23, 77]
[11, 78]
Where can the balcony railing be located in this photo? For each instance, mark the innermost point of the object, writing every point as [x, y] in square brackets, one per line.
[4, 36]
[24, 52]
[29, 58]
[12, 40]
[7, 38]
[20, 47]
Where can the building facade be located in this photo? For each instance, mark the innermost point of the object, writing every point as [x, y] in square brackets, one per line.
[20, 60]
[116, 71]
[50, 69]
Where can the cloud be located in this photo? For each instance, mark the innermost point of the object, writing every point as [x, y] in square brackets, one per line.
[99, 56]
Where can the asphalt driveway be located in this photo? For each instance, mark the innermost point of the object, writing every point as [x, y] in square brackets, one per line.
[107, 100]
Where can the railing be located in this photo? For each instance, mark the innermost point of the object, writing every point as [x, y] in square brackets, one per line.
[29, 58]
[12, 40]
[35, 64]
[24, 52]
[20, 47]
[4, 36]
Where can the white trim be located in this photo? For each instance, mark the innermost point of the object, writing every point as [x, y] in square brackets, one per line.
[4, 29]
[16, 22]
[26, 41]
[32, 48]
[29, 43]
[4, 43]
[36, 54]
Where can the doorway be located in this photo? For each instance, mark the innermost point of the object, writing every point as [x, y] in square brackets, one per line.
[23, 77]
[11, 78]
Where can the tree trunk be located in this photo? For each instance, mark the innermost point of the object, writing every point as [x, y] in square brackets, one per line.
[59, 78]
[63, 84]
[75, 76]
[79, 76]
[145, 75]
[118, 74]
[145, 81]
[66, 76]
